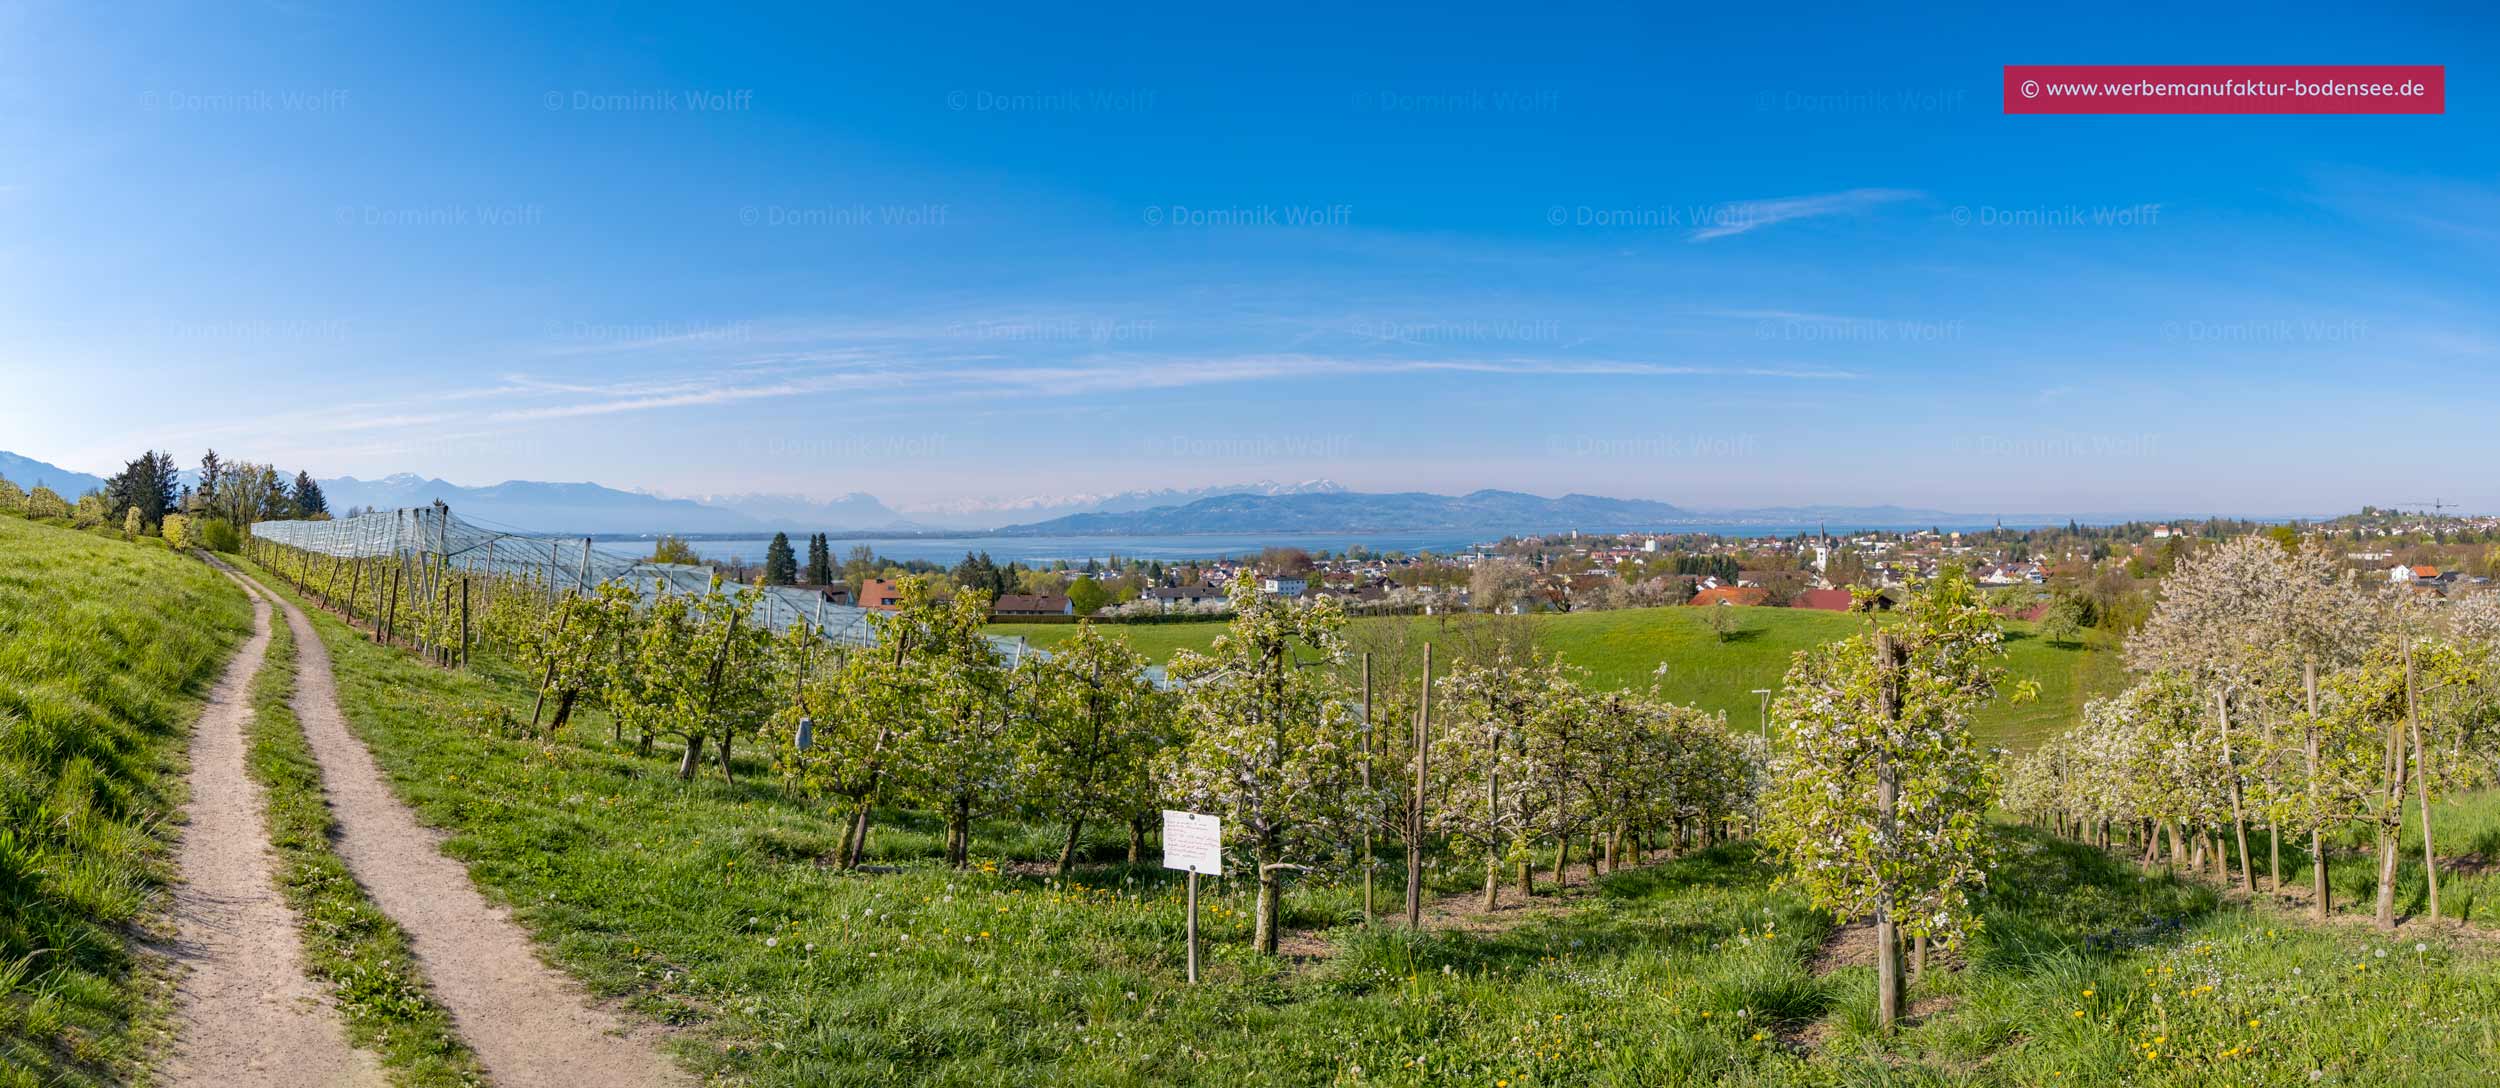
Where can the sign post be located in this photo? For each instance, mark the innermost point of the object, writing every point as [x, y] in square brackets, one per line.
[1193, 843]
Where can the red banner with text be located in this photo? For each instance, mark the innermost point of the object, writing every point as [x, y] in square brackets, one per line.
[2226, 88]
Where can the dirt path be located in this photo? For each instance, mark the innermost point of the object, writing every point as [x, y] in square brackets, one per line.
[529, 1025]
[244, 1010]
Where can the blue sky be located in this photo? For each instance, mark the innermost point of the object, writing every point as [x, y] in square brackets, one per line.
[1712, 257]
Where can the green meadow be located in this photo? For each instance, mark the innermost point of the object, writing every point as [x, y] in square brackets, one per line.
[1627, 648]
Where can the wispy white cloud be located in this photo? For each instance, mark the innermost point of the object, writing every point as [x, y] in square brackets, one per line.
[1749, 215]
[2452, 210]
[991, 379]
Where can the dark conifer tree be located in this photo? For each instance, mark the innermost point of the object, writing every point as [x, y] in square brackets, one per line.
[148, 483]
[819, 560]
[308, 497]
[781, 565]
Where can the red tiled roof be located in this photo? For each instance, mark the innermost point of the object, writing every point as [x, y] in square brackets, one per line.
[1031, 604]
[1829, 600]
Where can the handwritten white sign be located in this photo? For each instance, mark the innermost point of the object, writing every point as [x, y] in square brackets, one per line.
[1193, 843]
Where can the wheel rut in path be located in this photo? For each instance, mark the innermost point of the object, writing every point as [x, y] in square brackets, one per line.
[245, 1012]
[529, 1025]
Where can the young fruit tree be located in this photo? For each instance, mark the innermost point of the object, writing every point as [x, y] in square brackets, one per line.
[867, 710]
[1491, 789]
[1878, 794]
[966, 759]
[1093, 726]
[2240, 621]
[1272, 741]
[697, 670]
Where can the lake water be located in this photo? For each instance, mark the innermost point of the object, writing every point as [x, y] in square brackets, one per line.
[1043, 550]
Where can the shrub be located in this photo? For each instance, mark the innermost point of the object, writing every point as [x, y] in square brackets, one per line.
[43, 502]
[177, 531]
[220, 535]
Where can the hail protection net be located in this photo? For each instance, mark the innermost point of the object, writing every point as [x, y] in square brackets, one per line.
[558, 563]
[562, 563]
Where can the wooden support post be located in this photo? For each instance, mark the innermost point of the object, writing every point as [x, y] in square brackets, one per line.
[1888, 980]
[1193, 927]
[2421, 779]
[390, 606]
[2317, 834]
[1368, 860]
[1415, 818]
[2239, 824]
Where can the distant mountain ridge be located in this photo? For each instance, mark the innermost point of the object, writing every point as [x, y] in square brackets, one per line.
[1309, 506]
[28, 473]
[541, 507]
[993, 513]
[855, 511]
[1485, 511]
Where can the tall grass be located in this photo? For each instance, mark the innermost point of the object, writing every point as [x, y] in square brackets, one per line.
[105, 649]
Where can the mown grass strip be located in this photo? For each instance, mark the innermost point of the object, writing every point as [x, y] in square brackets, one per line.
[349, 943]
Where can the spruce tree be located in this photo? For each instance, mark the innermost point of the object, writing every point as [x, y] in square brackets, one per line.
[781, 565]
[308, 498]
[819, 560]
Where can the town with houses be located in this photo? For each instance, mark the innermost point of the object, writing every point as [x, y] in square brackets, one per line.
[2432, 555]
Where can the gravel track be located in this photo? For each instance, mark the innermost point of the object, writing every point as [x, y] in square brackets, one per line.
[245, 1012]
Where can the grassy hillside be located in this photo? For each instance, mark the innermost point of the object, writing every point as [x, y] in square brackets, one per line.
[1625, 648]
[105, 648]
